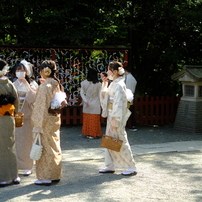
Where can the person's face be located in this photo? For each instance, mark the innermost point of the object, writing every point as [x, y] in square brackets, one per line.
[112, 74]
[109, 73]
[20, 73]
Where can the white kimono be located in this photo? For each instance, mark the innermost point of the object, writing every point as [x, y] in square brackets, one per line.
[117, 116]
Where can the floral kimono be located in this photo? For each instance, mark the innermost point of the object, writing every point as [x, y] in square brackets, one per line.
[49, 166]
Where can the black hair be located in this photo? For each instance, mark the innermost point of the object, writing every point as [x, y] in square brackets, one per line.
[92, 75]
[21, 66]
[128, 69]
[3, 63]
[7, 99]
[115, 65]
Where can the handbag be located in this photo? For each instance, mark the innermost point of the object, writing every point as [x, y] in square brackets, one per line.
[37, 148]
[111, 143]
[19, 119]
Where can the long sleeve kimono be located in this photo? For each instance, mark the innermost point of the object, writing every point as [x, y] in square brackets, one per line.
[114, 107]
[49, 166]
[24, 135]
[8, 164]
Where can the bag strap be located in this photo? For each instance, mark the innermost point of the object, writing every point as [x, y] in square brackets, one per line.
[38, 137]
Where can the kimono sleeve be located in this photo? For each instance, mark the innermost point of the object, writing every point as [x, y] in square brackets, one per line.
[104, 95]
[40, 108]
[31, 94]
[119, 103]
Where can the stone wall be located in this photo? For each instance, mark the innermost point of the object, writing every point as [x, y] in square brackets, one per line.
[189, 116]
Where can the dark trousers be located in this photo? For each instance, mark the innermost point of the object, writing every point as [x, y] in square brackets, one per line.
[132, 116]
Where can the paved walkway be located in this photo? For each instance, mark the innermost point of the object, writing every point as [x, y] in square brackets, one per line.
[166, 172]
[142, 149]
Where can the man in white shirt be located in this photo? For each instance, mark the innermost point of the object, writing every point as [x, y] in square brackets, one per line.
[131, 84]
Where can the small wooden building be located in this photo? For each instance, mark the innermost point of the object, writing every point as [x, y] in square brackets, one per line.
[189, 113]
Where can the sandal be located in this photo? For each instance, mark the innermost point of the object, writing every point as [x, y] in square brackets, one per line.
[107, 170]
[16, 180]
[43, 182]
[129, 172]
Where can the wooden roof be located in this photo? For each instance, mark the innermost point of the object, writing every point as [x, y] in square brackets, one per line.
[193, 71]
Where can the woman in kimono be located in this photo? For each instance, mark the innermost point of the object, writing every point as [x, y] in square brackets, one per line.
[26, 89]
[114, 107]
[49, 166]
[8, 106]
[90, 91]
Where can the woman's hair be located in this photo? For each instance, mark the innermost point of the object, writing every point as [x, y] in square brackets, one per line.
[115, 65]
[92, 75]
[3, 63]
[3, 68]
[52, 66]
[20, 66]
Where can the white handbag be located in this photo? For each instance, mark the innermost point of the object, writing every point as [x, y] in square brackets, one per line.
[37, 148]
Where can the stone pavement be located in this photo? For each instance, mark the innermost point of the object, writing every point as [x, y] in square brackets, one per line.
[166, 172]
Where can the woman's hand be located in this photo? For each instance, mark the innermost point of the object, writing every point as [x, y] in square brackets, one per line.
[64, 104]
[22, 80]
[41, 80]
[104, 78]
[87, 104]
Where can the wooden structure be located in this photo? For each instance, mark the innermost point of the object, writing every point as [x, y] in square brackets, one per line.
[71, 66]
[189, 113]
[148, 111]
[72, 62]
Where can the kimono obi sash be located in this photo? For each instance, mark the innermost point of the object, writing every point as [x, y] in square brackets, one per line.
[110, 104]
[7, 109]
[21, 102]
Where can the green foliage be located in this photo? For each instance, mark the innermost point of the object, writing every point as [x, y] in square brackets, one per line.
[163, 35]
[166, 35]
[58, 22]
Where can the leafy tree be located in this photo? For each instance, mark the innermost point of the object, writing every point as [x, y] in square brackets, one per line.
[163, 35]
[166, 35]
[81, 22]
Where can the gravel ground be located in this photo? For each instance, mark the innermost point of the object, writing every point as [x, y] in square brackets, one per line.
[162, 177]
[73, 139]
[173, 177]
